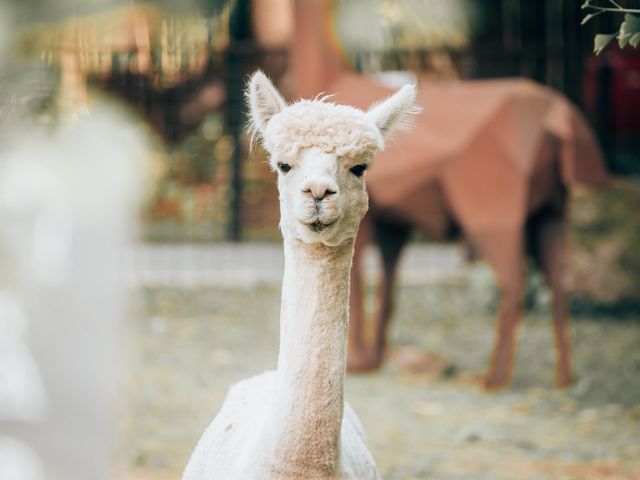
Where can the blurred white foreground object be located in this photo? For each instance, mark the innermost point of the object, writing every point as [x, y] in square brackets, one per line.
[18, 462]
[22, 394]
[68, 203]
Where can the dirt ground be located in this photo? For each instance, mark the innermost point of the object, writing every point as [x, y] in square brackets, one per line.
[423, 414]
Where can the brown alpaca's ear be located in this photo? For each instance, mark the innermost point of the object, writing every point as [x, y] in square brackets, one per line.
[396, 112]
[264, 102]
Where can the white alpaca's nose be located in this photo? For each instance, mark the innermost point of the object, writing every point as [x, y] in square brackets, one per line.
[319, 189]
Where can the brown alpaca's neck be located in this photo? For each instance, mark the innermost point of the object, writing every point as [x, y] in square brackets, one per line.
[313, 59]
[309, 399]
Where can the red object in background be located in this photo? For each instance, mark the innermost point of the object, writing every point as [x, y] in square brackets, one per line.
[621, 84]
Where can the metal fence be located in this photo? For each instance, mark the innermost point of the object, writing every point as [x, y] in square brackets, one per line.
[213, 191]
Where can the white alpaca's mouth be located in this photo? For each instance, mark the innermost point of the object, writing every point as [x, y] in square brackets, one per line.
[318, 226]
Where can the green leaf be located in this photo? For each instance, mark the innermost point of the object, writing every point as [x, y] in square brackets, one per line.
[586, 19]
[628, 29]
[635, 40]
[586, 4]
[630, 25]
[633, 21]
[601, 41]
[623, 39]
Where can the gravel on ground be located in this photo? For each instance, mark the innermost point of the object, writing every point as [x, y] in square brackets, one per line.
[424, 415]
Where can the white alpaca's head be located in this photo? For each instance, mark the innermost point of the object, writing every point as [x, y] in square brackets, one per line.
[320, 151]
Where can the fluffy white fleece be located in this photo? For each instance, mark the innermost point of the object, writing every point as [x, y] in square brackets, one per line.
[338, 130]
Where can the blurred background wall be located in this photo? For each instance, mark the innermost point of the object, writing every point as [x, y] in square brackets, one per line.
[182, 67]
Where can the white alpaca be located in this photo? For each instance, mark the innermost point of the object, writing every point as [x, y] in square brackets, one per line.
[293, 423]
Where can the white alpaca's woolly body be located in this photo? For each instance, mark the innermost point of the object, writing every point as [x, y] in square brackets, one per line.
[293, 423]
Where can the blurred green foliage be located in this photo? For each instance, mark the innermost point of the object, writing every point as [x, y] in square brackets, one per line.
[629, 31]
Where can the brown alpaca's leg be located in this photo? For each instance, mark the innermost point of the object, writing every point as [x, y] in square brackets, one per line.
[391, 239]
[550, 240]
[504, 253]
[359, 357]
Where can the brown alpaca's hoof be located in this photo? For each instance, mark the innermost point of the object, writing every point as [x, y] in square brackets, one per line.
[494, 383]
[564, 381]
[363, 361]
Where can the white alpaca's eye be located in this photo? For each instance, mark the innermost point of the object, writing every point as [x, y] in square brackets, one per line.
[284, 167]
[358, 170]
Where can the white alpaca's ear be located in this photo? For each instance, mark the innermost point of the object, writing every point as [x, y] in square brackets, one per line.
[264, 102]
[396, 112]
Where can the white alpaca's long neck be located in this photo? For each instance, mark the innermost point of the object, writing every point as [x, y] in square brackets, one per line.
[309, 399]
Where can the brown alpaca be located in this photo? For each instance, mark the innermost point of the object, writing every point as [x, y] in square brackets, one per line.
[489, 161]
